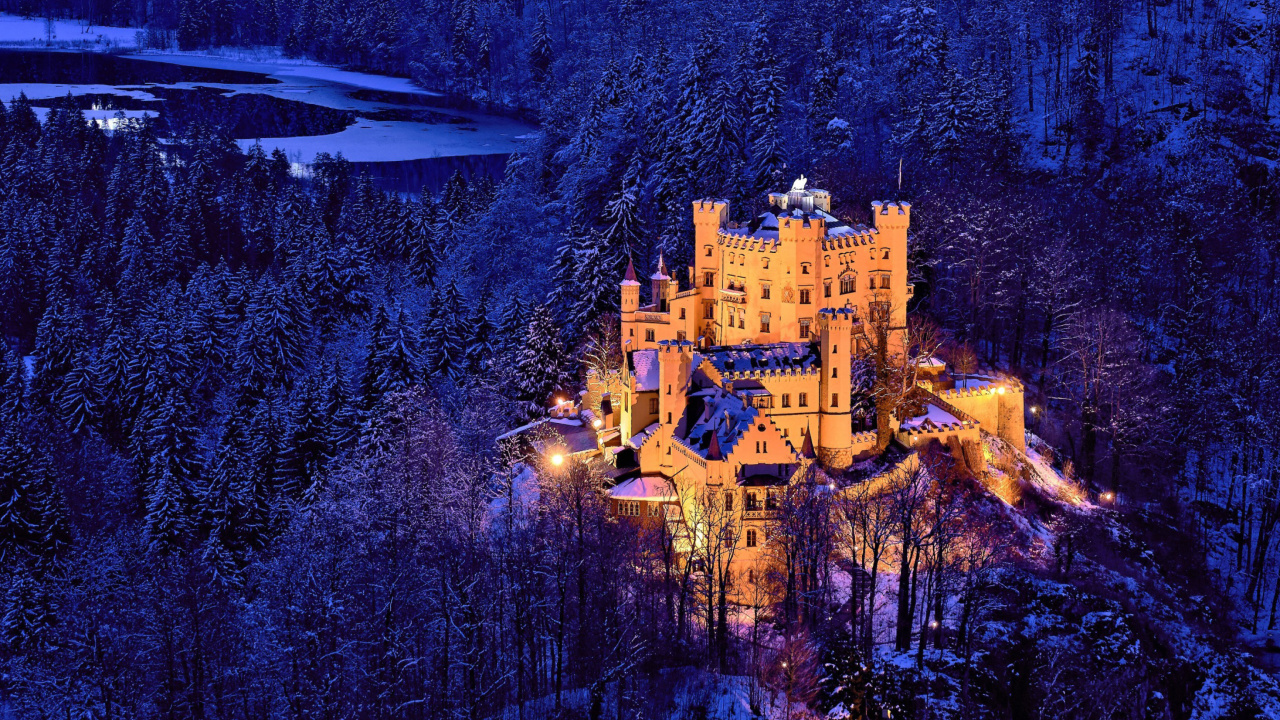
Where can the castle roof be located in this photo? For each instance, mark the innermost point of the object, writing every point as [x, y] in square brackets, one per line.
[661, 273]
[713, 422]
[630, 278]
[776, 356]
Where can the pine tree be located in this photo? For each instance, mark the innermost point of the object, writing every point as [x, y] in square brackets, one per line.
[273, 340]
[310, 446]
[444, 333]
[398, 363]
[540, 363]
[421, 239]
[540, 53]
[480, 350]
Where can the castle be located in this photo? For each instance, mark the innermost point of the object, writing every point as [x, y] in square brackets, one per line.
[743, 381]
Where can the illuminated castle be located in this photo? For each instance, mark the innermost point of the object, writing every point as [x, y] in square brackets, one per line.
[742, 382]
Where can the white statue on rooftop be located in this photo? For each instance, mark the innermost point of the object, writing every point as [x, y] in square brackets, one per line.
[798, 185]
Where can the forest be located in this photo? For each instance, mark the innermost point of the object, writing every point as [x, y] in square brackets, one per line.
[248, 420]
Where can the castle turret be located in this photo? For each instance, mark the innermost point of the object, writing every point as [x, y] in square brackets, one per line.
[835, 425]
[630, 292]
[675, 365]
[660, 284]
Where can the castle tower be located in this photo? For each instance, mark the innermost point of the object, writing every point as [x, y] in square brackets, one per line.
[660, 285]
[630, 306]
[675, 364]
[835, 425]
[892, 220]
[706, 275]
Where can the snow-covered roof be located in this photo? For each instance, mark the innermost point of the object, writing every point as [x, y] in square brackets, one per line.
[776, 356]
[645, 370]
[933, 416]
[717, 413]
[656, 489]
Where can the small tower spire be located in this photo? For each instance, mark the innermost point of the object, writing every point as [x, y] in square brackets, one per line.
[661, 273]
[713, 448]
[807, 448]
[630, 278]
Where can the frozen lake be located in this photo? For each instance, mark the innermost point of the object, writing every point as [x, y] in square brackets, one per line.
[402, 136]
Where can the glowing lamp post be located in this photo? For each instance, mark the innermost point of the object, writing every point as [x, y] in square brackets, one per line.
[557, 459]
[597, 423]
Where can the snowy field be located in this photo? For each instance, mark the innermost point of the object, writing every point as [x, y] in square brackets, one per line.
[36, 32]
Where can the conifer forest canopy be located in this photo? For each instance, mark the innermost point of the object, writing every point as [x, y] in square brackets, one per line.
[250, 410]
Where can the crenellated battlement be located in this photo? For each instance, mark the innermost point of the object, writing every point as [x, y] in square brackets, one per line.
[889, 214]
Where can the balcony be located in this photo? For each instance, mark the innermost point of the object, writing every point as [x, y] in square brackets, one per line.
[734, 294]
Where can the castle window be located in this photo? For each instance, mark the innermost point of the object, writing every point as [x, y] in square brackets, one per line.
[757, 446]
[653, 405]
[751, 541]
[804, 297]
[826, 261]
[764, 446]
[770, 500]
[764, 263]
[631, 332]
[786, 400]
[804, 268]
[668, 422]
[629, 508]
[680, 335]
[728, 500]
[751, 577]
[879, 311]
[708, 279]
[834, 372]
[752, 502]
[764, 322]
[708, 251]
[668, 388]
[835, 400]
[835, 349]
[846, 285]
[804, 400]
[804, 328]
[764, 292]
[648, 335]
[682, 313]
[886, 254]
[826, 289]
[653, 509]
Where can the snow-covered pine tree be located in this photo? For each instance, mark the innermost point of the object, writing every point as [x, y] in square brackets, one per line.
[481, 341]
[540, 52]
[541, 363]
[444, 332]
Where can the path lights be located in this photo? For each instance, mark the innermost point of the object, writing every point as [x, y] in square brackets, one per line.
[597, 423]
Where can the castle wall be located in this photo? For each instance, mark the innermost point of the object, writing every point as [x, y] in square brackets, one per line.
[1000, 414]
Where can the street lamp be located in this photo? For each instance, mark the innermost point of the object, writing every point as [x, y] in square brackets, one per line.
[557, 459]
[597, 423]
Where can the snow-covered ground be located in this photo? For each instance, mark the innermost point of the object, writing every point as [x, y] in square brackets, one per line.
[37, 32]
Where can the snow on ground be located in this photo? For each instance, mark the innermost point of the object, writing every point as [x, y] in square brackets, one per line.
[20, 31]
